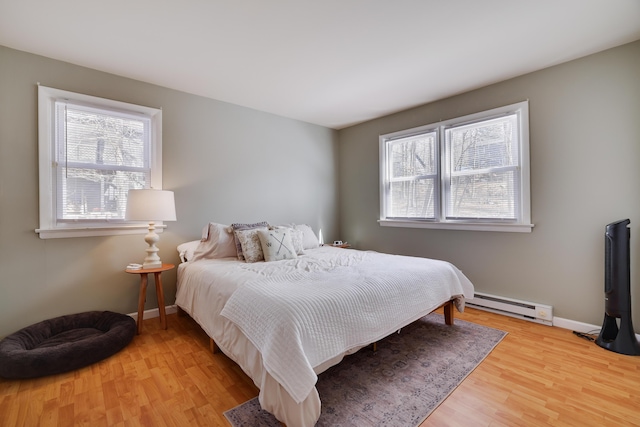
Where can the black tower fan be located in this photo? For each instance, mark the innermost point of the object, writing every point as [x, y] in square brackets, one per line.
[617, 292]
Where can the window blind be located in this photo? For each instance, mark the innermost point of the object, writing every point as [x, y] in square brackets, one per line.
[100, 155]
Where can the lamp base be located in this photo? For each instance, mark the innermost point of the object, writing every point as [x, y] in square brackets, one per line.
[155, 264]
[152, 260]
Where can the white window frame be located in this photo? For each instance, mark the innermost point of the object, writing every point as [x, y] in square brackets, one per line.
[50, 227]
[521, 224]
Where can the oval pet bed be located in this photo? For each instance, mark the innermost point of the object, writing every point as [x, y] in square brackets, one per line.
[64, 343]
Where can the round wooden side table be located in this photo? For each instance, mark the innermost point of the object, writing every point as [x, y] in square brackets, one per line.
[157, 273]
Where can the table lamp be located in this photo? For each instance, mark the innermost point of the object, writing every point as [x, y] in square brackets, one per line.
[151, 205]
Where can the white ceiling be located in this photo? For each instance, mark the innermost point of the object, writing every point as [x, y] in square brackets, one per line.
[330, 62]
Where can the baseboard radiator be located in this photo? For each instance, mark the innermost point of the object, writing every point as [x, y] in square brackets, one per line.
[533, 312]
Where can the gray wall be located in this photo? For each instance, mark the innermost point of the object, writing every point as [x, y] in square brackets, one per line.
[228, 163]
[225, 163]
[585, 173]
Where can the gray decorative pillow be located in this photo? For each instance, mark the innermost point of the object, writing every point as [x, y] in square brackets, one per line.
[250, 242]
[277, 244]
[239, 226]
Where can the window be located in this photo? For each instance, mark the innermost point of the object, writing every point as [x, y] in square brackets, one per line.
[92, 151]
[467, 173]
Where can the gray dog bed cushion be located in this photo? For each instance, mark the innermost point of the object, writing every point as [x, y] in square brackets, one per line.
[64, 343]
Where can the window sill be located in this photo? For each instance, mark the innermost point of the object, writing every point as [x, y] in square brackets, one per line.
[58, 233]
[470, 226]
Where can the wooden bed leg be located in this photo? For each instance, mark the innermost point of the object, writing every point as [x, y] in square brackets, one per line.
[212, 346]
[375, 346]
[448, 313]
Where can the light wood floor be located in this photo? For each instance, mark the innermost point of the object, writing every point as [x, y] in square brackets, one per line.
[536, 376]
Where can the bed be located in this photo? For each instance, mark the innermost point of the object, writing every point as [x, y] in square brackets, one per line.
[286, 321]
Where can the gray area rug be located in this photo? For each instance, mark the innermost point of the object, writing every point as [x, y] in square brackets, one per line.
[399, 385]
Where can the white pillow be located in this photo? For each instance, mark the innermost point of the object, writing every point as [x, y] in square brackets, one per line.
[250, 242]
[187, 250]
[309, 238]
[277, 244]
[216, 242]
[297, 238]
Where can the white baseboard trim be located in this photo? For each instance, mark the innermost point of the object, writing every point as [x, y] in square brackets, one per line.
[575, 325]
[579, 326]
[154, 312]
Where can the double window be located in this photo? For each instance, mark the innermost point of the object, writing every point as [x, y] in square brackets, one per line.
[92, 152]
[470, 172]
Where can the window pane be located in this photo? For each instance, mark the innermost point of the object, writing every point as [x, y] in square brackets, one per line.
[96, 194]
[412, 199]
[414, 156]
[101, 155]
[479, 196]
[484, 145]
[104, 139]
[469, 172]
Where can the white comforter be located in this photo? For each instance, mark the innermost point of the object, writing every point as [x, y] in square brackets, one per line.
[345, 298]
[302, 319]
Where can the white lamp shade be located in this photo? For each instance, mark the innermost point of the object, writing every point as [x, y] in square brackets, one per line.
[150, 205]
